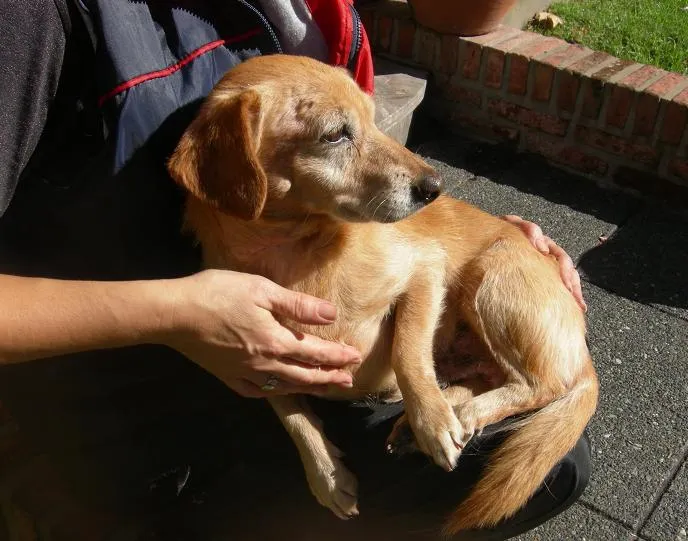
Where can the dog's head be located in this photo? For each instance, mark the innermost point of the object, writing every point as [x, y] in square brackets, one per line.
[281, 136]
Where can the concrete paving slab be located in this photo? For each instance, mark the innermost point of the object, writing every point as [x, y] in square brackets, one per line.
[641, 428]
[645, 260]
[670, 519]
[571, 210]
[523, 11]
[578, 523]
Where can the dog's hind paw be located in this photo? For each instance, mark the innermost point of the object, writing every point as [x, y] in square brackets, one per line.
[440, 436]
[401, 440]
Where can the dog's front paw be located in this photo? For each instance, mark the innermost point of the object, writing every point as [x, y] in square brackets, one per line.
[334, 486]
[435, 431]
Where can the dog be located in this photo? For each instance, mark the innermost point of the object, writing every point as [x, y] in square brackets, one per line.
[288, 177]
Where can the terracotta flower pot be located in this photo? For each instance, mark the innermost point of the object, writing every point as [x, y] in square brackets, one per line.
[461, 17]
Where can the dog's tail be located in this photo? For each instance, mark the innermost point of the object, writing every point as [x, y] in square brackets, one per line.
[520, 465]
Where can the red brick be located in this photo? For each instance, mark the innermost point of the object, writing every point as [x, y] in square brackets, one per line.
[593, 92]
[606, 73]
[559, 151]
[675, 118]
[638, 79]
[513, 42]
[518, 75]
[384, 32]
[682, 98]
[620, 101]
[469, 59]
[494, 69]
[428, 49]
[538, 46]
[527, 117]
[568, 91]
[405, 39]
[651, 183]
[617, 145]
[679, 168]
[666, 84]
[449, 53]
[542, 87]
[589, 62]
[564, 57]
[500, 34]
[486, 128]
[645, 115]
[463, 95]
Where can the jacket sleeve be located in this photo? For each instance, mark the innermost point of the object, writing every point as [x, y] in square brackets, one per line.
[32, 44]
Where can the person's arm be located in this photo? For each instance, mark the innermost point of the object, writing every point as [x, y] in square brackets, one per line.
[221, 320]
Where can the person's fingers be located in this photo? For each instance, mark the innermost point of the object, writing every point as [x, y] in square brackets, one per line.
[577, 290]
[531, 230]
[294, 305]
[295, 373]
[280, 383]
[315, 351]
[245, 388]
[566, 266]
[568, 272]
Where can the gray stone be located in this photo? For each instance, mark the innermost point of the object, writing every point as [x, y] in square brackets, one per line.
[571, 210]
[578, 523]
[640, 429]
[398, 92]
[670, 519]
[645, 260]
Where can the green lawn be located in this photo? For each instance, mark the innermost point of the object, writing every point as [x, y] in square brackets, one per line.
[647, 31]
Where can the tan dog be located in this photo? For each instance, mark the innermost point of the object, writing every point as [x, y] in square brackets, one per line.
[289, 178]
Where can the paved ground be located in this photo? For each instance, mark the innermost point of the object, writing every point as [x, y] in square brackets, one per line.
[636, 286]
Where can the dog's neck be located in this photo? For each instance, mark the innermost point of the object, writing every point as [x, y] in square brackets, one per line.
[263, 246]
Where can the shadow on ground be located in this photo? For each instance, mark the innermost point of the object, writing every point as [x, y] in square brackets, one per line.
[646, 260]
[644, 253]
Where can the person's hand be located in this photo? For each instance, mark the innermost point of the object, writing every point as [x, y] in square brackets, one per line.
[546, 245]
[226, 323]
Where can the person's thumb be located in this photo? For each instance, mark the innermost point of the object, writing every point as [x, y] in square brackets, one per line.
[298, 306]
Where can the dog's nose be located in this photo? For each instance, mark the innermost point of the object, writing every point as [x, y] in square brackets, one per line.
[427, 189]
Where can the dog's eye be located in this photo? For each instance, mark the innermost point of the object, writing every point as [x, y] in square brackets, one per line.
[337, 136]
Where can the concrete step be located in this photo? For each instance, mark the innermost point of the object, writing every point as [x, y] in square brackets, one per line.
[398, 92]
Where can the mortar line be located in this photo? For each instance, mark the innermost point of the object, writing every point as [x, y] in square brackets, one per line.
[604, 514]
[673, 472]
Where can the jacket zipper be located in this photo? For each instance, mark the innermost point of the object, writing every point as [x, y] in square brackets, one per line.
[266, 23]
[356, 41]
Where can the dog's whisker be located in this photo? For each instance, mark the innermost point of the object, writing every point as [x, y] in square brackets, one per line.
[378, 207]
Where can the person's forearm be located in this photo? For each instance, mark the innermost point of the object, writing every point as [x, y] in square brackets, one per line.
[42, 317]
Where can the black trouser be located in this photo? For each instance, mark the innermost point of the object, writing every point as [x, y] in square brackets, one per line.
[166, 448]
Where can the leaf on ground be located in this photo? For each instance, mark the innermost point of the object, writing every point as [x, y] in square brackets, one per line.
[547, 20]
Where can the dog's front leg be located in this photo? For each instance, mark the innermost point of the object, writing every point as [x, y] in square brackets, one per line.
[333, 485]
[435, 426]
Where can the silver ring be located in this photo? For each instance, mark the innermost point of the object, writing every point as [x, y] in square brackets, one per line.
[271, 384]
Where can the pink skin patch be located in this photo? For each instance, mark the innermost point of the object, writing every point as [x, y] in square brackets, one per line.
[468, 359]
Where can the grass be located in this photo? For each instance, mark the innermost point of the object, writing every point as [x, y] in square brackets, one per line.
[646, 31]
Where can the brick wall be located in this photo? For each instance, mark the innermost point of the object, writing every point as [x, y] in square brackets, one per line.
[619, 122]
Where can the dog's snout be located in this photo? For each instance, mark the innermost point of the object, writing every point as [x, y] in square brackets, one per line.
[427, 189]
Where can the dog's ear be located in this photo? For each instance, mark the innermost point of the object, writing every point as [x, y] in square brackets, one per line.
[217, 157]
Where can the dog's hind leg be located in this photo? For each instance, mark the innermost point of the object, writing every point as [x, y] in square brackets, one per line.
[515, 301]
